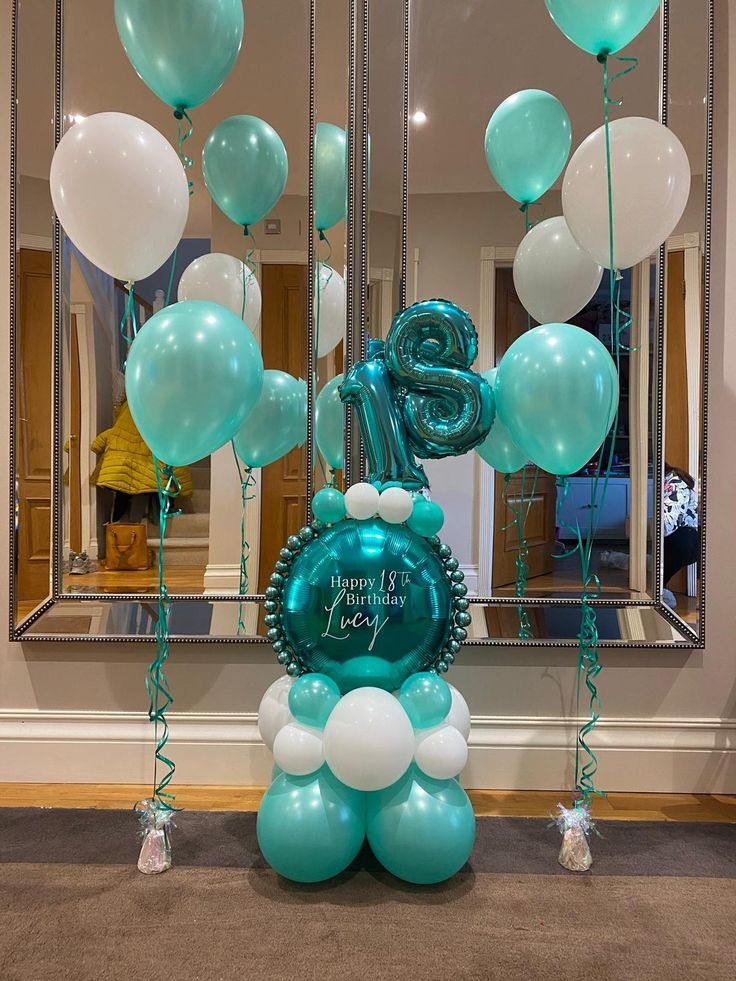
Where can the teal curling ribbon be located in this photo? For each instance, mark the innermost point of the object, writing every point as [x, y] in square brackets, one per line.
[522, 549]
[181, 138]
[159, 693]
[247, 480]
[129, 315]
[249, 263]
[329, 481]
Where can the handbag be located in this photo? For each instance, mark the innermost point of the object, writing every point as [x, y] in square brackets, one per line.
[126, 547]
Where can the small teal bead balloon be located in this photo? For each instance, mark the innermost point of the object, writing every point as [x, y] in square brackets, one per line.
[312, 698]
[426, 518]
[310, 828]
[534, 383]
[245, 168]
[527, 143]
[328, 505]
[271, 428]
[329, 423]
[193, 375]
[602, 26]
[330, 176]
[420, 829]
[182, 49]
[426, 699]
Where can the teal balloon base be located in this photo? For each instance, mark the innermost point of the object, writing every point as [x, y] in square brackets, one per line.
[366, 603]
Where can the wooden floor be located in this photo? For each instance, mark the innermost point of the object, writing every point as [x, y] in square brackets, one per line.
[491, 803]
[179, 579]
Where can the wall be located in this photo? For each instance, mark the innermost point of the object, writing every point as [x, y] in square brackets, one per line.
[76, 712]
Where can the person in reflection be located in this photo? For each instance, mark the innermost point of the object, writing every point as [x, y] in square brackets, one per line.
[681, 525]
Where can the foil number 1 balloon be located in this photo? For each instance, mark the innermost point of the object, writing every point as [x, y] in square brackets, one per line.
[419, 393]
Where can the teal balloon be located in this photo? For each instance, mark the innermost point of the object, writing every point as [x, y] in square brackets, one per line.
[193, 374]
[527, 143]
[420, 829]
[426, 699]
[329, 423]
[182, 49]
[245, 168]
[498, 448]
[557, 393]
[272, 428]
[602, 26]
[367, 603]
[328, 505]
[310, 828]
[330, 176]
[426, 518]
[276, 771]
[302, 429]
[311, 699]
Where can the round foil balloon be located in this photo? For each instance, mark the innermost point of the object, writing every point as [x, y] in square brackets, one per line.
[366, 603]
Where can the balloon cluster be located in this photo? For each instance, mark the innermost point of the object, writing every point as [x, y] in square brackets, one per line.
[365, 765]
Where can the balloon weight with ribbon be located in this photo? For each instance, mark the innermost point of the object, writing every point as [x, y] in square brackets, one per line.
[557, 394]
[120, 193]
[193, 374]
[182, 49]
[226, 280]
[272, 427]
[651, 176]
[329, 423]
[554, 277]
[245, 168]
[527, 143]
[330, 176]
[602, 26]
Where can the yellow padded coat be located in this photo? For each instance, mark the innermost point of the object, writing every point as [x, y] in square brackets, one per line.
[126, 463]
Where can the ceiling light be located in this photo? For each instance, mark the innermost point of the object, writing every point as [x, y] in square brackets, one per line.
[419, 117]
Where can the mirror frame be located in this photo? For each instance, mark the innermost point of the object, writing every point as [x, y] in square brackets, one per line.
[357, 295]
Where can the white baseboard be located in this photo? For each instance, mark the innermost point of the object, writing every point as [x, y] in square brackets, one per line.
[471, 578]
[222, 578]
[657, 756]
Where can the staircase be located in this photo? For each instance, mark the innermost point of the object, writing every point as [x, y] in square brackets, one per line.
[188, 534]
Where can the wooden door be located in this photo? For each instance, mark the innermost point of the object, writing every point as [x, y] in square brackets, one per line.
[676, 442]
[74, 477]
[284, 344]
[33, 413]
[511, 321]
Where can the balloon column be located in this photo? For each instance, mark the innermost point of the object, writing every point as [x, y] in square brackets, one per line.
[364, 602]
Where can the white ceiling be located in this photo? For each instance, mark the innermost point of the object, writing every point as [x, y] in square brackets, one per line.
[466, 57]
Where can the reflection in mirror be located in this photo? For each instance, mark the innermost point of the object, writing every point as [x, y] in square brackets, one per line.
[110, 505]
[34, 306]
[463, 234]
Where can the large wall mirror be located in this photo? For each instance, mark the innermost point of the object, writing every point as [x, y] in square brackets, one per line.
[405, 90]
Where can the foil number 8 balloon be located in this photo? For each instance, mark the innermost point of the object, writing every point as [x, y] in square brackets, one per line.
[448, 409]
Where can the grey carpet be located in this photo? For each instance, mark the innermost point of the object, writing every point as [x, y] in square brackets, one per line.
[659, 905]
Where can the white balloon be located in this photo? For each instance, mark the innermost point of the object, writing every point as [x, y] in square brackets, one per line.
[459, 714]
[330, 306]
[298, 749]
[553, 275]
[222, 279]
[119, 190]
[361, 501]
[395, 505]
[651, 185]
[369, 740]
[273, 712]
[441, 752]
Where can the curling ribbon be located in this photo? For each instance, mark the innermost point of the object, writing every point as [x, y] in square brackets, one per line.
[249, 263]
[247, 480]
[129, 315]
[522, 551]
[181, 138]
[329, 481]
[160, 697]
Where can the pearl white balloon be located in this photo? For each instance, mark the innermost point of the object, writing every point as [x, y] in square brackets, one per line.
[553, 275]
[221, 279]
[459, 714]
[298, 749]
[361, 501]
[369, 740]
[119, 190]
[330, 306]
[441, 752]
[395, 505]
[651, 185]
[273, 712]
